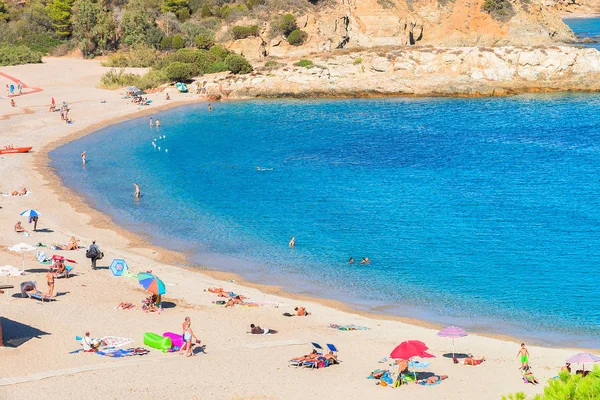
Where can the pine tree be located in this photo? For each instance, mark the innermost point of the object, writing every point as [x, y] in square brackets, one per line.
[61, 13]
[175, 6]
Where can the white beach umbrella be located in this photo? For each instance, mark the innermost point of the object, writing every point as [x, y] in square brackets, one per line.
[22, 248]
[9, 270]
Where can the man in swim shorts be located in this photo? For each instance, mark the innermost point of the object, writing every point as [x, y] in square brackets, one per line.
[524, 355]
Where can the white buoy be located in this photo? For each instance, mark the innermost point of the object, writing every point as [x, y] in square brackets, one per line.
[159, 147]
[166, 150]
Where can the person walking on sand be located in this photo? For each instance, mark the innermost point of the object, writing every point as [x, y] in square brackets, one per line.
[20, 87]
[137, 193]
[7, 91]
[188, 334]
[92, 253]
[293, 242]
[83, 157]
[524, 355]
[151, 122]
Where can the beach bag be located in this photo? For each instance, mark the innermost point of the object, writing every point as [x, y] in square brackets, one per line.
[90, 253]
[100, 256]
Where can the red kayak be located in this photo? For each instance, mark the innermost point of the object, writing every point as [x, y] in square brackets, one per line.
[15, 150]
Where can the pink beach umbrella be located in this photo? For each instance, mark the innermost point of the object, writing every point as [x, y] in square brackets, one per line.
[452, 332]
[583, 358]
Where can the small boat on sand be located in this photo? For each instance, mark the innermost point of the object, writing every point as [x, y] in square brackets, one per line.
[11, 150]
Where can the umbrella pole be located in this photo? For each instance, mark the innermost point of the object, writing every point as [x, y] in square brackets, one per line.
[23, 262]
[413, 368]
[452, 349]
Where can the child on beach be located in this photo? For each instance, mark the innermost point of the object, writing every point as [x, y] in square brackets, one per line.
[524, 355]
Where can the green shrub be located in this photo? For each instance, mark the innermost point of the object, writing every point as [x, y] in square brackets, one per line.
[296, 37]
[305, 64]
[206, 12]
[142, 56]
[179, 71]
[40, 42]
[114, 80]
[219, 52]
[118, 60]
[152, 79]
[242, 32]
[238, 64]
[218, 66]
[183, 15]
[271, 65]
[166, 43]
[178, 42]
[16, 55]
[568, 387]
[253, 3]
[357, 61]
[204, 41]
[204, 61]
[288, 24]
[501, 10]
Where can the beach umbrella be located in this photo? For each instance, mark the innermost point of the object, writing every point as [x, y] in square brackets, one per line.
[139, 92]
[118, 266]
[22, 248]
[9, 270]
[30, 213]
[53, 102]
[452, 332]
[409, 349]
[583, 358]
[57, 257]
[151, 283]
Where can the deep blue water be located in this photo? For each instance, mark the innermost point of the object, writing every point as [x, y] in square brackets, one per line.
[585, 28]
[478, 212]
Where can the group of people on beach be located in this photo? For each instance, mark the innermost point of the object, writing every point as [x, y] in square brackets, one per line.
[10, 89]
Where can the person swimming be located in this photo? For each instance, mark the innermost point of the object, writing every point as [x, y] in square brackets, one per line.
[351, 260]
[292, 242]
[137, 193]
[365, 260]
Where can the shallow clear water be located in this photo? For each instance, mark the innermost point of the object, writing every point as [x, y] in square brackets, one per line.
[479, 212]
[585, 28]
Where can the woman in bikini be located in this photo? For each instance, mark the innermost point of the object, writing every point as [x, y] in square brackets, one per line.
[50, 281]
[19, 228]
[188, 334]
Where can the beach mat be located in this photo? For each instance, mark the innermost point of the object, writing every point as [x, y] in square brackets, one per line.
[279, 343]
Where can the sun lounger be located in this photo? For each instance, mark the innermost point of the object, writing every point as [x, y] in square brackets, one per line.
[40, 296]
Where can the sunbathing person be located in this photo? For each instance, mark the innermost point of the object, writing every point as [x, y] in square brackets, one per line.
[309, 357]
[234, 300]
[19, 227]
[472, 361]
[332, 358]
[432, 380]
[301, 311]
[402, 366]
[22, 192]
[529, 377]
[72, 245]
[257, 330]
[125, 306]
[566, 367]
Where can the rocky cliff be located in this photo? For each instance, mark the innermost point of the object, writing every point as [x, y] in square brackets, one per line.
[359, 24]
[459, 71]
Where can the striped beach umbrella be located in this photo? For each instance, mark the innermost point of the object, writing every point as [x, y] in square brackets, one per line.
[452, 332]
[151, 283]
[30, 213]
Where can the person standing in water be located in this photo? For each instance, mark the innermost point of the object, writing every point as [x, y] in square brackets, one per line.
[524, 356]
[83, 157]
[157, 123]
[351, 260]
[293, 242]
[209, 108]
[151, 122]
[137, 191]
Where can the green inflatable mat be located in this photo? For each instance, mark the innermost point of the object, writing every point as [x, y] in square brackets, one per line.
[157, 341]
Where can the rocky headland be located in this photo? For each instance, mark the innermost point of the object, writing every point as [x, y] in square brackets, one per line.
[419, 71]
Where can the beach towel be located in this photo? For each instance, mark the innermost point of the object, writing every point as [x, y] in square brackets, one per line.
[418, 364]
[350, 327]
[424, 383]
[116, 341]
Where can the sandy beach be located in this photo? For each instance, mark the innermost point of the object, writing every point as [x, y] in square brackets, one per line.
[233, 364]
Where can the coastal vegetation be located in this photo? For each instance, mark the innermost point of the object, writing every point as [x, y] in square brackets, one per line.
[567, 387]
[102, 27]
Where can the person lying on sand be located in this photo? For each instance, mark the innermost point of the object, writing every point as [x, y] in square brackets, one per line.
[19, 227]
[301, 311]
[434, 379]
[73, 244]
[234, 300]
[529, 377]
[473, 361]
[309, 357]
[22, 192]
[257, 330]
[566, 367]
[124, 306]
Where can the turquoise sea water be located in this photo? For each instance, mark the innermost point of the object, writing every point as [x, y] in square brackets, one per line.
[483, 213]
[585, 28]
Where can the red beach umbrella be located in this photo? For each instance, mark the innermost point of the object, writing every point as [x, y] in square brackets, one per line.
[53, 101]
[409, 349]
[57, 257]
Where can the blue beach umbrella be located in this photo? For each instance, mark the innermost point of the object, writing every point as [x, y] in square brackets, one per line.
[30, 213]
[118, 266]
[151, 283]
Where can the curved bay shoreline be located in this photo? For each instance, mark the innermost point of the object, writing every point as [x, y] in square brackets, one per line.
[88, 224]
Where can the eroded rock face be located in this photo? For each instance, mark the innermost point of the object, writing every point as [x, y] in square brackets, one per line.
[458, 71]
[357, 24]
